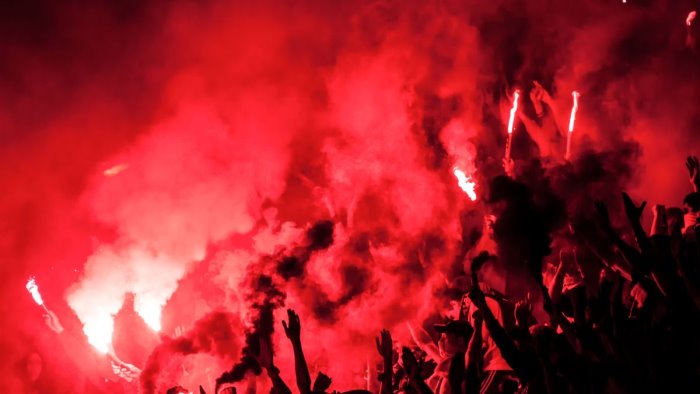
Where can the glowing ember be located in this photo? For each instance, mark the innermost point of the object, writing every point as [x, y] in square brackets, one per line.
[572, 121]
[511, 122]
[465, 183]
[112, 171]
[34, 291]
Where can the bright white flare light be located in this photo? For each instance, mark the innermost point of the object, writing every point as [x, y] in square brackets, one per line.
[150, 311]
[465, 183]
[572, 121]
[574, 109]
[99, 330]
[513, 110]
[34, 291]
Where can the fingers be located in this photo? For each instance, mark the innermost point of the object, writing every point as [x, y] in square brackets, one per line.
[629, 204]
[626, 198]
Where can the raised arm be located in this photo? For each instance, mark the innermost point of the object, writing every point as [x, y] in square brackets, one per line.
[555, 290]
[266, 361]
[293, 331]
[475, 359]
[628, 253]
[413, 370]
[505, 343]
[557, 319]
[322, 383]
[693, 167]
[455, 375]
[386, 350]
[634, 216]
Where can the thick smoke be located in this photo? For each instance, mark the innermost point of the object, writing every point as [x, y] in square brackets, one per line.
[216, 334]
[524, 227]
[265, 298]
[261, 294]
[177, 150]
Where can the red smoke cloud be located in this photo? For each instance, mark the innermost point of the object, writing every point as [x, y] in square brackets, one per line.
[238, 126]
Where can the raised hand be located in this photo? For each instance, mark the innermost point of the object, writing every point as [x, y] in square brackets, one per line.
[633, 212]
[385, 344]
[410, 364]
[543, 94]
[322, 383]
[52, 322]
[293, 328]
[567, 259]
[523, 311]
[536, 92]
[125, 371]
[693, 167]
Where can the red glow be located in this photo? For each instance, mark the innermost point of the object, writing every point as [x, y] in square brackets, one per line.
[167, 155]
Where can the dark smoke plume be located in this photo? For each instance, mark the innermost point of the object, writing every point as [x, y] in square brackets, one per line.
[265, 297]
[215, 334]
[524, 226]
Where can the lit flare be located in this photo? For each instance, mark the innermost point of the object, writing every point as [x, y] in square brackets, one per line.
[572, 121]
[513, 110]
[465, 183]
[511, 122]
[33, 289]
